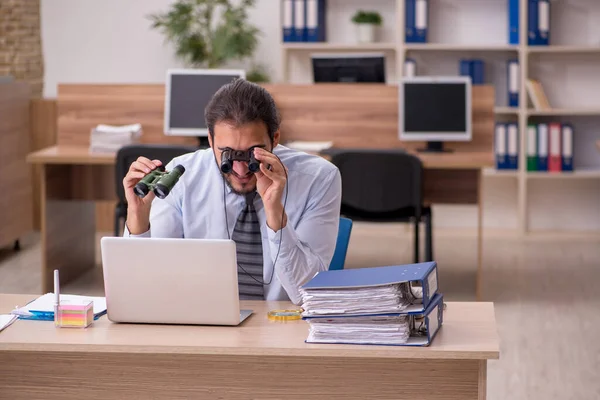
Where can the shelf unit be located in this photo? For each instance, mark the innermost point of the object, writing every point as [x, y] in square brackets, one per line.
[523, 52]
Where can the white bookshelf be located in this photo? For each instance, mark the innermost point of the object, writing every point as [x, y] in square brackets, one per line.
[567, 69]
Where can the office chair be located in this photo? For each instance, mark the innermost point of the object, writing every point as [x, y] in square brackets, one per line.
[384, 186]
[127, 155]
[341, 246]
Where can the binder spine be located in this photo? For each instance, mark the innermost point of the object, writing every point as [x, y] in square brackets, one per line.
[554, 161]
[409, 18]
[513, 83]
[500, 146]
[544, 22]
[421, 17]
[542, 147]
[477, 72]
[465, 68]
[299, 21]
[287, 9]
[315, 20]
[435, 320]
[513, 146]
[567, 147]
[532, 23]
[532, 148]
[513, 21]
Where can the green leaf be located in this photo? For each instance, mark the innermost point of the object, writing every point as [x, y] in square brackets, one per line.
[208, 32]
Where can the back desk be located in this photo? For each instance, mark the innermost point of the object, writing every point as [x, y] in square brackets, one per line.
[78, 187]
[260, 359]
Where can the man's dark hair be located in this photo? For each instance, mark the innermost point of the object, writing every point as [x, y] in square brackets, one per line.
[241, 102]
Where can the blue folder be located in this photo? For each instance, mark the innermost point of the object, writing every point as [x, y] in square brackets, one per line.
[513, 21]
[315, 20]
[533, 33]
[424, 273]
[431, 318]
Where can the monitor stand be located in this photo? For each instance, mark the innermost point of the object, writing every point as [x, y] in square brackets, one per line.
[435, 147]
[203, 142]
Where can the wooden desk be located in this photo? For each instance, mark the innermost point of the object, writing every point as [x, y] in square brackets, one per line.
[259, 359]
[73, 179]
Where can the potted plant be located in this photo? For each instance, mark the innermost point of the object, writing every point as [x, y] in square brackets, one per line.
[366, 24]
[208, 33]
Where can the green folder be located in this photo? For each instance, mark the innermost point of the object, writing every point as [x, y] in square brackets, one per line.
[532, 147]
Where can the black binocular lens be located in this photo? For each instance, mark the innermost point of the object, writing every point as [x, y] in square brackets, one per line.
[161, 191]
[229, 156]
[141, 189]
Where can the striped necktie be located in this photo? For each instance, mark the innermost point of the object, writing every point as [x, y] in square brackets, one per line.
[248, 241]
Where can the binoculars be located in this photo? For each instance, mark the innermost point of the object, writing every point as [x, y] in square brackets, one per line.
[159, 181]
[229, 156]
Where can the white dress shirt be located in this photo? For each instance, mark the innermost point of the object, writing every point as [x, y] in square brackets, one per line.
[194, 209]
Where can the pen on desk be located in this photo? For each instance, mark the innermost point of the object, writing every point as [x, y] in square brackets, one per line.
[56, 289]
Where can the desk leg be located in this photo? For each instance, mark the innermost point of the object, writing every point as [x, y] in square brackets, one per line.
[67, 228]
[479, 276]
[482, 387]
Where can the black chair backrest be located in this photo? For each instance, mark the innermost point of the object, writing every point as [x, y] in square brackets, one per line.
[379, 182]
[128, 154]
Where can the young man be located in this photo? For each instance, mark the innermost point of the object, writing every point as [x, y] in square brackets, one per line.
[244, 206]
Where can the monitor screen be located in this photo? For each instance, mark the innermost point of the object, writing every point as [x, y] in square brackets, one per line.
[187, 93]
[435, 109]
[348, 68]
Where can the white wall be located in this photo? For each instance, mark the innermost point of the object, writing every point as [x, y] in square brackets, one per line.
[110, 41]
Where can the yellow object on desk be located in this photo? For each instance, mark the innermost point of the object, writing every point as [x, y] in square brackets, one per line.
[284, 315]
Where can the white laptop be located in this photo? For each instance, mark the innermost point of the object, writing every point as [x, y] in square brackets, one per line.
[171, 281]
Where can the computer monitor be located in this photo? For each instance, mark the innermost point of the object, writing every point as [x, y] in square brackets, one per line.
[187, 93]
[435, 109]
[349, 68]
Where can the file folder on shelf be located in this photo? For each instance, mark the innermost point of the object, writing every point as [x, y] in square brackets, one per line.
[513, 21]
[567, 147]
[299, 21]
[543, 22]
[542, 147]
[414, 328]
[500, 146]
[416, 16]
[554, 156]
[477, 72]
[532, 148]
[533, 34]
[464, 68]
[370, 291]
[315, 20]
[513, 145]
[513, 83]
[287, 9]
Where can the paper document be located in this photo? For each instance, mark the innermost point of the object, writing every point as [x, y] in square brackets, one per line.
[386, 299]
[360, 330]
[43, 307]
[6, 320]
[309, 146]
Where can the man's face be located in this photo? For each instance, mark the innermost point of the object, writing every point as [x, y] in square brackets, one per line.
[227, 136]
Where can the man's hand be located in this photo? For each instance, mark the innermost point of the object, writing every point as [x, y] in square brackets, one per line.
[138, 210]
[270, 184]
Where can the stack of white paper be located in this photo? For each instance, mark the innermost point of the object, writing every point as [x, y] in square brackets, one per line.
[309, 147]
[108, 138]
[354, 301]
[6, 320]
[360, 330]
